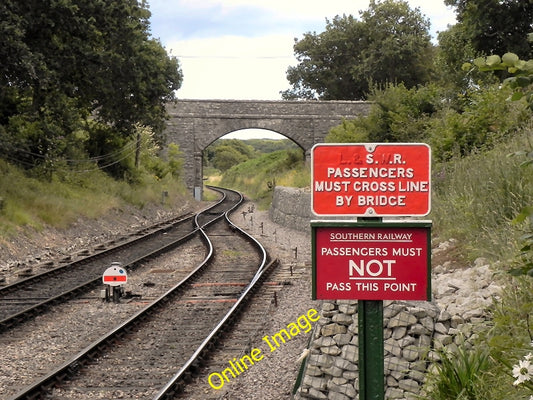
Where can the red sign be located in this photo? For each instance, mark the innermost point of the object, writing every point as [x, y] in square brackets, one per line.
[115, 276]
[385, 261]
[371, 179]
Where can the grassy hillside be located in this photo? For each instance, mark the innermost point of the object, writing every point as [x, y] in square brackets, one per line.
[476, 198]
[257, 177]
[67, 196]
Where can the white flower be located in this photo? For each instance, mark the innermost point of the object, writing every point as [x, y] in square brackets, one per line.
[529, 357]
[523, 372]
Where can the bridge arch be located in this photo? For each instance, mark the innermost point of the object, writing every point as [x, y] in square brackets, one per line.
[255, 128]
[195, 124]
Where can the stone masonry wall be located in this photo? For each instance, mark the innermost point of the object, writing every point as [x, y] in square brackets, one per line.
[291, 207]
[332, 367]
[413, 331]
[195, 124]
[413, 334]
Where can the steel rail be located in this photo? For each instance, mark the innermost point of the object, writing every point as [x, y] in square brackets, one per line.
[158, 228]
[35, 309]
[177, 382]
[71, 366]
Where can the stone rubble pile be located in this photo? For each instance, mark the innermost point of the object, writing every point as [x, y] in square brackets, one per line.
[413, 331]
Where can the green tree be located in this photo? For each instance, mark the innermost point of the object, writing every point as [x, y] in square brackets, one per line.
[397, 114]
[68, 62]
[389, 44]
[349, 131]
[224, 154]
[398, 47]
[325, 61]
[135, 75]
[484, 27]
[496, 26]
[226, 157]
[453, 51]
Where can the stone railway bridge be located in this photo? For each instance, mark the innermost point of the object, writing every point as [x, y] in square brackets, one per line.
[195, 124]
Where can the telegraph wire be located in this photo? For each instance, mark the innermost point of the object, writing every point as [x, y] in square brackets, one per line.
[125, 152]
[221, 57]
[81, 160]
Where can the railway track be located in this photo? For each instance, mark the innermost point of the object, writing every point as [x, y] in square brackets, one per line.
[142, 356]
[34, 295]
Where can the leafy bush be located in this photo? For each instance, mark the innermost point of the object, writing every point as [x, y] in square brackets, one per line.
[477, 122]
[401, 114]
[175, 160]
[350, 131]
[397, 114]
[486, 119]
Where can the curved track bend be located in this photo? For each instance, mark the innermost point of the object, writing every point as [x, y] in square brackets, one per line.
[151, 354]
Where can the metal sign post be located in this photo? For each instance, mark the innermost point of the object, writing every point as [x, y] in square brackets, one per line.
[371, 348]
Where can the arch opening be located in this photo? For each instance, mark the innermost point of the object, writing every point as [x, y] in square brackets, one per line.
[245, 145]
[195, 124]
[254, 133]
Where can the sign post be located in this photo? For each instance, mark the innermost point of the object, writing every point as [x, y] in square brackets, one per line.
[371, 351]
[114, 278]
[370, 260]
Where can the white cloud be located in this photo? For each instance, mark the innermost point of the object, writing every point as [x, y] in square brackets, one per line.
[234, 60]
[294, 8]
[439, 14]
[234, 67]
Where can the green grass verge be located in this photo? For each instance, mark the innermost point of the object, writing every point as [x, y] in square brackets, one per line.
[257, 177]
[476, 198]
[68, 196]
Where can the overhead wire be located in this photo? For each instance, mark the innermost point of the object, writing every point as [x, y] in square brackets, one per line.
[126, 151]
[81, 160]
[222, 57]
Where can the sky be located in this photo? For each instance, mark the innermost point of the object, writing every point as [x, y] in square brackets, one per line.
[241, 49]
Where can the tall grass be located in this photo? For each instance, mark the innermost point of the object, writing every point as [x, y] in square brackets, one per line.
[457, 375]
[68, 195]
[484, 371]
[509, 339]
[257, 177]
[476, 198]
